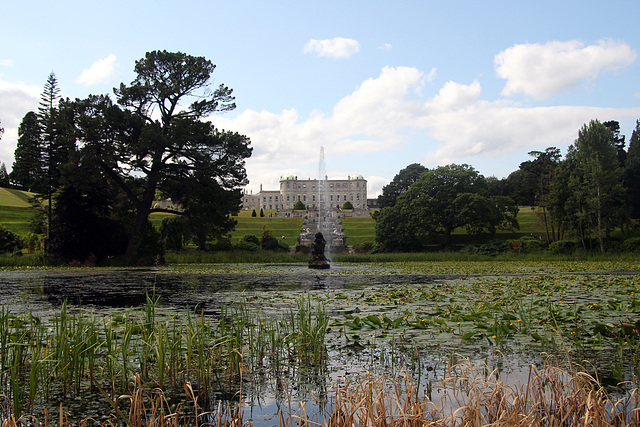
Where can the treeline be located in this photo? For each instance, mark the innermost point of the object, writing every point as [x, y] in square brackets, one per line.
[98, 165]
[582, 198]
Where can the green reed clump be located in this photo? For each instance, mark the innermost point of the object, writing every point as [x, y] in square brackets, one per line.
[75, 351]
[308, 330]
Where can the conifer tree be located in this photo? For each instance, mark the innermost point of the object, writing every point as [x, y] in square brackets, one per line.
[27, 170]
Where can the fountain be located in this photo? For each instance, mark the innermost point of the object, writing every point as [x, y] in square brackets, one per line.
[320, 244]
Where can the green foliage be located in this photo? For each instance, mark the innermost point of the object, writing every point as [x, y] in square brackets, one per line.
[9, 242]
[562, 247]
[303, 249]
[27, 171]
[244, 245]
[250, 238]
[632, 244]
[185, 158]
[347, 206]
[491, 248]
[592, 177]
[299, 206]
[174, 233]
[440, 201]
[253, 214]
[400, 183]
[527, 244]
[82, 224]
[261, 213]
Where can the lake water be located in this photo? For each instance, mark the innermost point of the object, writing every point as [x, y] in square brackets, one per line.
[348, 291]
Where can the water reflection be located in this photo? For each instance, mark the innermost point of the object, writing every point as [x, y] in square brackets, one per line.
[203, 290]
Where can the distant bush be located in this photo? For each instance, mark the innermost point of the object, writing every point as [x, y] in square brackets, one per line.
[347, 206]
[364, 248]
[631, 245]
[250, 238]
[562, 247]
[299, 206]
[303, 249]
[253, 214]
[490, 248]
[222, 244]
[244, 245]
[9, 241]
[527, 244]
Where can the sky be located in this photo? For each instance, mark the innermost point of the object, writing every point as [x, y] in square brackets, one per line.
[379, 84]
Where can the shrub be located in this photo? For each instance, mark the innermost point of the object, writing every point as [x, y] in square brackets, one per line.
[347, 206]
[631, 245]
[222, 244]
[303, 249]
[250, 238]
[299, 206]
[244, 245]
[490, 248]
[561, 247]
[173, 231]
[261, 213]
[364, 248]
[253, 214]
[526, 244]
[9, 241]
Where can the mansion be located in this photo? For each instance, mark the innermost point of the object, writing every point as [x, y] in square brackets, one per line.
[337, 192]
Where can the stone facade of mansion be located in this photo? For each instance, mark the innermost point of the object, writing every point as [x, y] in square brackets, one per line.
[338, 191]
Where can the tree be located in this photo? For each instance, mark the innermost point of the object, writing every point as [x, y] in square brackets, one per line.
[617, 140]
[400, 183]
[83, 222]
[541, 169]
[4, 175]
[299, 206]
[595, 182]
[440, 201]
[631, 177]
[155, 142]
[27, 170]
[347, 206]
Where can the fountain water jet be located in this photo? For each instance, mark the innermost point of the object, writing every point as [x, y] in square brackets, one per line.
[322, 243]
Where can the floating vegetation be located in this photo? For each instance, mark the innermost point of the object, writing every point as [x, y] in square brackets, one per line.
[297, 341]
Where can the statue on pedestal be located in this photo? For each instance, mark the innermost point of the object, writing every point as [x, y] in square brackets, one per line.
[318, 260]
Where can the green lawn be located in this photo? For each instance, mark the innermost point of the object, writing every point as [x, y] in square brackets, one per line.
[359, 230]
[16, 219]
[14, 198]
[288, 227]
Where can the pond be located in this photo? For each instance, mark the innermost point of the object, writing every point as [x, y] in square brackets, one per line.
[416, 318]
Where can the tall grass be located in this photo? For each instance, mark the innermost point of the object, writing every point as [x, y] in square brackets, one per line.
[75, 351]
[471, 396]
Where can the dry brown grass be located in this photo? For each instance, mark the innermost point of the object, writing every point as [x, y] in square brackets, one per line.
[472, 396]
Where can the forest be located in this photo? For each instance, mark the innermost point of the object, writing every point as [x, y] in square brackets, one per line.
[581, 198]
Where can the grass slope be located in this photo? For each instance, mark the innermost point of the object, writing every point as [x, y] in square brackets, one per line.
[15, 212]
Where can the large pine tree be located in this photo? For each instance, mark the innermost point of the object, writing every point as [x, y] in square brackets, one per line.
[27, 170]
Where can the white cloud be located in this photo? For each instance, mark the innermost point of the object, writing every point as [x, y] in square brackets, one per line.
[6, 62]
[386, 47]
[542, 70]
[337, 47]
[17, 99]
[99, 72]
[388, 112]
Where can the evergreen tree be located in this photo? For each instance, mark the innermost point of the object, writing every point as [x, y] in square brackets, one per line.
[4, 176]
[631, 178]
[27, 171]
[595, 182]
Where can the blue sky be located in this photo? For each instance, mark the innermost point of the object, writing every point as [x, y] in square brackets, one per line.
[379, 84]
